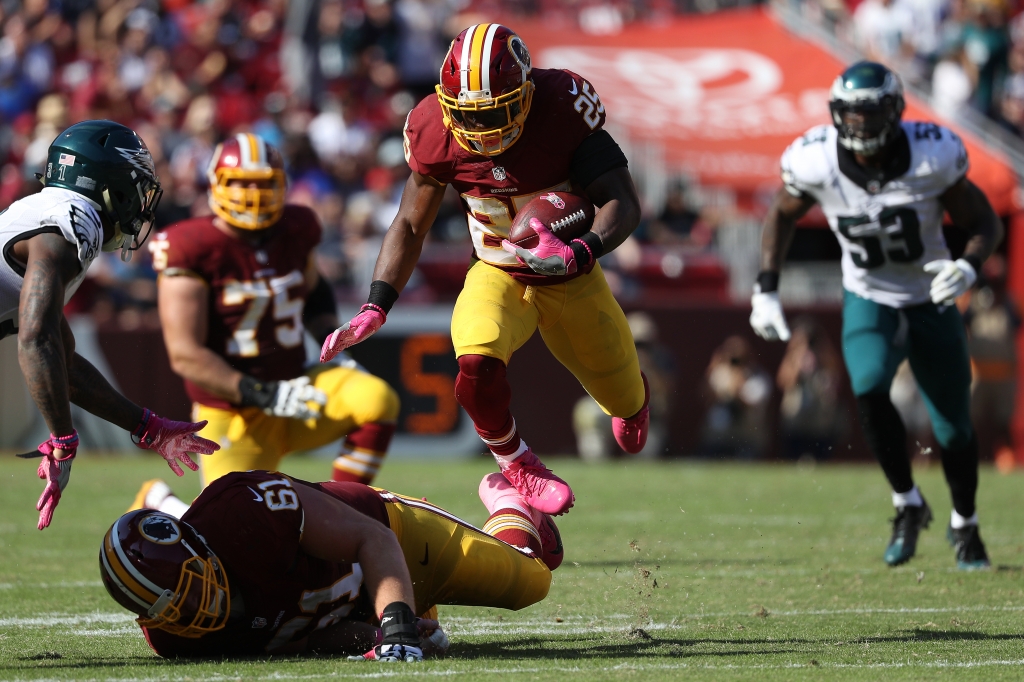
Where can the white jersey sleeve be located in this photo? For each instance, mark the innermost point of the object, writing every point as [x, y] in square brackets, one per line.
[806, 164]
[940, 150]
[52, 210]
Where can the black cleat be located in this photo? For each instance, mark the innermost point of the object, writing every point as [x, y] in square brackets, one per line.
[905, 527]
[970, 550]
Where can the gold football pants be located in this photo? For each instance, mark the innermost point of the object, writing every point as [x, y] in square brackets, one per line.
[452, 562]
[580, 321]
[251, 439]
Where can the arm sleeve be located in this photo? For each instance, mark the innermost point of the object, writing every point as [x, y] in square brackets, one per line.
[596, 155]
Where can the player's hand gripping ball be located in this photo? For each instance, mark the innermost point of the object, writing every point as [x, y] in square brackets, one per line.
[543, 231]
[568, 216]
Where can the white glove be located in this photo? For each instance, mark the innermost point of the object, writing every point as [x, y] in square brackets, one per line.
[766, 317]
[291, 397]
[952, 279]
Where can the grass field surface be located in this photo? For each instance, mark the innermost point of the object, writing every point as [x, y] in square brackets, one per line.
[672, 571]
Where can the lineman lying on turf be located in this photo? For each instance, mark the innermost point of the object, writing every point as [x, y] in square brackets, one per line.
[264, 563]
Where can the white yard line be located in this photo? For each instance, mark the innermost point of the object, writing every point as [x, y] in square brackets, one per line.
[404, 671]
[473, 625]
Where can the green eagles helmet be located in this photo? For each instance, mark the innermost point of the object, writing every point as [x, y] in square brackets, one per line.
[111, 165]
[867, 102]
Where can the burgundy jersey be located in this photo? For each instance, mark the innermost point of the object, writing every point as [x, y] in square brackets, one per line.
[256, 294]
[565, 110]
[279, 594]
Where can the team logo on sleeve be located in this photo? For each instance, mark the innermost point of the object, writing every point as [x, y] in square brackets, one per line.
[160, 528]
[499, 173]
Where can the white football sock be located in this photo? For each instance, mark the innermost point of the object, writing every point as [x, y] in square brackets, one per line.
[957, 522]
[508, 459]
[172, 506]
[911, 498]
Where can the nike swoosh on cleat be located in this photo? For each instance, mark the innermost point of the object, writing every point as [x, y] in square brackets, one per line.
[258, 498]
[426, 554]
[573, 91]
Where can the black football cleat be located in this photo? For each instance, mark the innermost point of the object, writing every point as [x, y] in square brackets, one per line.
[970, 550]
[906, 526]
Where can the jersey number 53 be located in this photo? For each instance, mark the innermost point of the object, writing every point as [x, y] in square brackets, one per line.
[900, 224]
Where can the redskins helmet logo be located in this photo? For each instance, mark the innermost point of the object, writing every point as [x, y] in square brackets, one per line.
[518, 49]
[160, 529]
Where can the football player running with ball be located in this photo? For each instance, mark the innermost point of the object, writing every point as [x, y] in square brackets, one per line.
[100, 193]
[502, 133]
[883, 184]
[236, 292]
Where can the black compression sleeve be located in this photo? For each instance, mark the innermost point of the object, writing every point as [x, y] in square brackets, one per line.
[320, 301]
[595, 156]
[382, 294]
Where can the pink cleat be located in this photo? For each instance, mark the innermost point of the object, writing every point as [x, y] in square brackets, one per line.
[550, 540]
[539, 488]
[631, 434]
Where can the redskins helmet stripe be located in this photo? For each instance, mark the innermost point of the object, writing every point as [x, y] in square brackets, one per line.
[252, 149]
[476, 73]
[120, 574]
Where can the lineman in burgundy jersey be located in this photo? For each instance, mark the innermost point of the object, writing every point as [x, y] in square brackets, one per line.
[501, 133]
[284, 595]
[268, 347]
[237, 292]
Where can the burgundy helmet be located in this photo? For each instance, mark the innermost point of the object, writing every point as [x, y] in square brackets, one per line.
[247, 182]
[161, 568]
[485, 90]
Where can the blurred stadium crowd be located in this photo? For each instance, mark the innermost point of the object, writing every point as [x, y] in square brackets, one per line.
[968, 54]
[327, 81]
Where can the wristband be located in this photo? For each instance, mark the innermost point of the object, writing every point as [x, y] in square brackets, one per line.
[68, 442]
[398, 625]
[974, 261]
[767, 281]
[382, 295]
[256, 392]
[140, 430]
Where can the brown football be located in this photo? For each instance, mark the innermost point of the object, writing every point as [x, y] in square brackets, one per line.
[568, 215]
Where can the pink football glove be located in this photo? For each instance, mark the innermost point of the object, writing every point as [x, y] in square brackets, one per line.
[550, 257]
[370, 318]
[173, 440]
[56, 472]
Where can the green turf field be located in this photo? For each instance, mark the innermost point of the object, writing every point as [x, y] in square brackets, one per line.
[672, 571]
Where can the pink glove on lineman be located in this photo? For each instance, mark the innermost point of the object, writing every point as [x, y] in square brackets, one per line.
[550, 257]
[56, 473]
[173, 440]
[370, 318]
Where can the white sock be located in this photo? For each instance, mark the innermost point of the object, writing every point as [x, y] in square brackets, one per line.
[911, 498]
[957, 522]
[172, 506]
[508, 459]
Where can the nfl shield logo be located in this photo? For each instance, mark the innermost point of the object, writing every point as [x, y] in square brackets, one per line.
[499, 173]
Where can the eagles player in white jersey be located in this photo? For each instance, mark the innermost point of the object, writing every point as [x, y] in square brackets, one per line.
[100, 192]
[883, 184]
